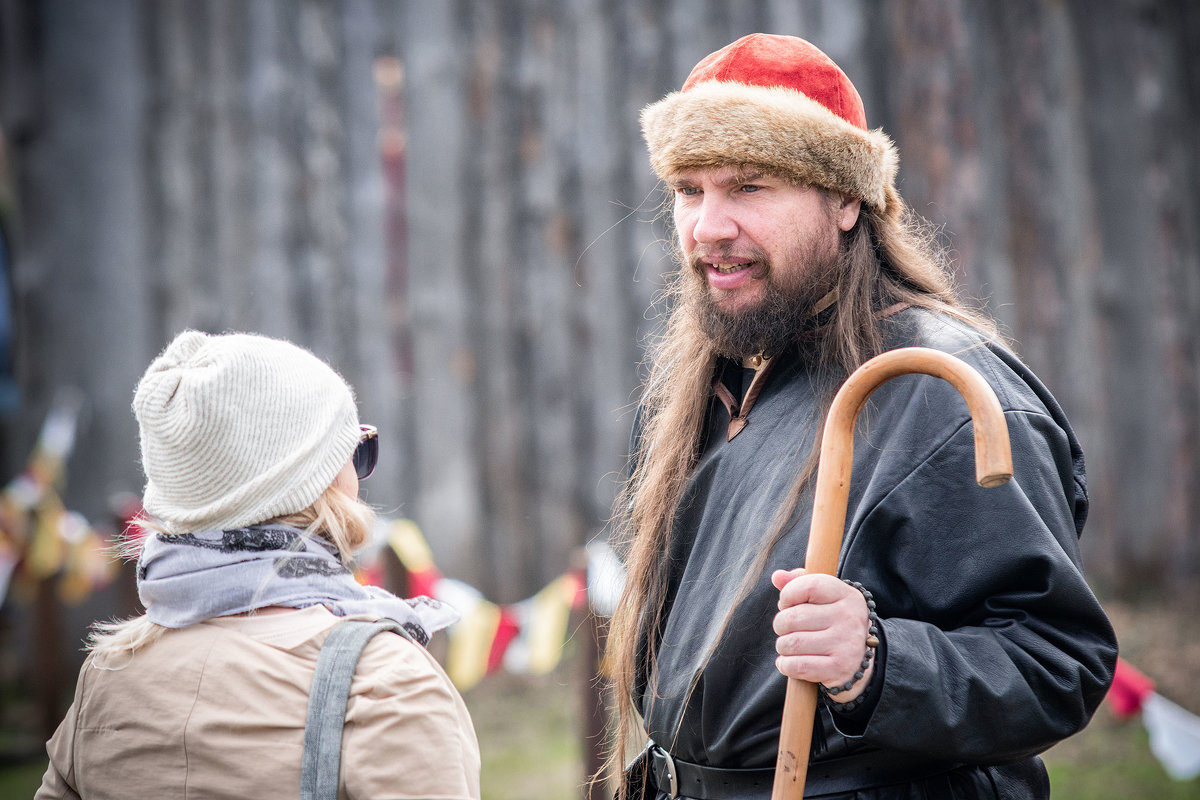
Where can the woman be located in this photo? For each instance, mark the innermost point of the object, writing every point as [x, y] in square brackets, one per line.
[252, 452]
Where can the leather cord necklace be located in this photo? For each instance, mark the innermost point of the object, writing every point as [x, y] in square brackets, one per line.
[739, 412]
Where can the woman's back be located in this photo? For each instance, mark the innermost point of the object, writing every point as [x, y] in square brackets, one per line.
[217, 709]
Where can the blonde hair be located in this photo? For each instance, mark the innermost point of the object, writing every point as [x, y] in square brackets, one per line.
[341, 519]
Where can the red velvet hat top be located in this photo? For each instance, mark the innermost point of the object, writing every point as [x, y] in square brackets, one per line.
[775, 102]
[764, 59]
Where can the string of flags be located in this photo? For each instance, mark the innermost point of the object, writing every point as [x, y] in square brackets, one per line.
[39, 536]
[40, 539]
[524, 637]
[1174, 731]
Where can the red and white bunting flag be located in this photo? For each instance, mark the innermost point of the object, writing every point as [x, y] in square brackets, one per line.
[1174, 731]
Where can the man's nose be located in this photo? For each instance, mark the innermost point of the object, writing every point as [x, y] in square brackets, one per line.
[714, 221]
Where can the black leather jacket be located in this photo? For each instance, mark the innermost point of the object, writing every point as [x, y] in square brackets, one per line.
[994, 647]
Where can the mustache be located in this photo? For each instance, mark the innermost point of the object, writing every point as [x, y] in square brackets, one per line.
[699, 259]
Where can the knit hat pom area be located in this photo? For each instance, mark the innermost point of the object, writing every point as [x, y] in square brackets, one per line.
[775, 102]
[238, 429]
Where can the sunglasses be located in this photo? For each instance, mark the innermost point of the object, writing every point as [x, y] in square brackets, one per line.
[366, 455]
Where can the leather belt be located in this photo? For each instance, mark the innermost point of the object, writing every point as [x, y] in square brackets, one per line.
[860, 771]
[681, 778]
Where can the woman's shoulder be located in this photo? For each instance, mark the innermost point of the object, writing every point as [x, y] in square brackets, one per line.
[403, 706]
[395, 658]
[290, 629]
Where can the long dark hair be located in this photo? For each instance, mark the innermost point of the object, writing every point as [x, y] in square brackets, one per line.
[888, 260]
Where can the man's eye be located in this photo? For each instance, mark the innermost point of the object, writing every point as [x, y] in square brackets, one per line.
[749, 187]
[687, 191]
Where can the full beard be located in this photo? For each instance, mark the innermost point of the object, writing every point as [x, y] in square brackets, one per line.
[785, 311]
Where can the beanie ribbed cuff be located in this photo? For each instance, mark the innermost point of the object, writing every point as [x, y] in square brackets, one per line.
[287, 489]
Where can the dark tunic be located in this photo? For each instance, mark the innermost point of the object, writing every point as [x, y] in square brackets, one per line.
[994, 647]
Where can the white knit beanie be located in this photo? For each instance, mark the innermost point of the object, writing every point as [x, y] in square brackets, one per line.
[239, 429]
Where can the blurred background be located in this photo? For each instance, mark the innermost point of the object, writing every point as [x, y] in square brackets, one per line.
[450, 202]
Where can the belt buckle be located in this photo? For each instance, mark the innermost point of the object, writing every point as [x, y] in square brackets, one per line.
[672, 773]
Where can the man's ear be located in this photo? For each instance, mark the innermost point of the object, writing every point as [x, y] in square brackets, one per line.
[847, 212]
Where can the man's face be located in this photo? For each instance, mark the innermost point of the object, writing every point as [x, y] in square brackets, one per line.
[762, 251]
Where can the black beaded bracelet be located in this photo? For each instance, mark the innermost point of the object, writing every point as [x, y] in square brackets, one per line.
[872, 643]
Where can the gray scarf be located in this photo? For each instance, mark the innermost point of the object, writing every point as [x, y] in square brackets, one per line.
[187, 578]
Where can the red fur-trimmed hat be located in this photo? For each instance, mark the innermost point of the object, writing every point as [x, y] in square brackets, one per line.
[777, 102]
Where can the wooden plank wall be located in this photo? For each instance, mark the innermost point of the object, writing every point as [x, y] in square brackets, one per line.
[451, 202]
[1051, 142]
[211, 165]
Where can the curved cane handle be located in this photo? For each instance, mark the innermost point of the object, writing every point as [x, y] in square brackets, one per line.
[993, 467]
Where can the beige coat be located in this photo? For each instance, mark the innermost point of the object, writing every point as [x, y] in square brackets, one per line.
[217, 710]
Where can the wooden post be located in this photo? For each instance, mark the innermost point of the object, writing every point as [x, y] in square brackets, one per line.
[594, 727]
[47, 677]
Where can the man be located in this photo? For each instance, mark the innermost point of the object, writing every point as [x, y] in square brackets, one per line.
[982, 644]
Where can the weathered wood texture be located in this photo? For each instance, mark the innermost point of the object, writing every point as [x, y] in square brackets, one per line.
[1056, 144]
[451, 202]
[178, 164]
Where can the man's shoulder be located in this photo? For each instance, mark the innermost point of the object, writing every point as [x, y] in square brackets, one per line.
[981, 348]
[1015, 384]
[941, 330]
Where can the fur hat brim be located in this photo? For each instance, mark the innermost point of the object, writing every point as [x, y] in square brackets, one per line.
[718, 123]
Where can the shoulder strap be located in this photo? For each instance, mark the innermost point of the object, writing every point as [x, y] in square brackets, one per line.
[322, 756]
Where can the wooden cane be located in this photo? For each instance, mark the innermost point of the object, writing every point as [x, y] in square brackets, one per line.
[993, 467]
